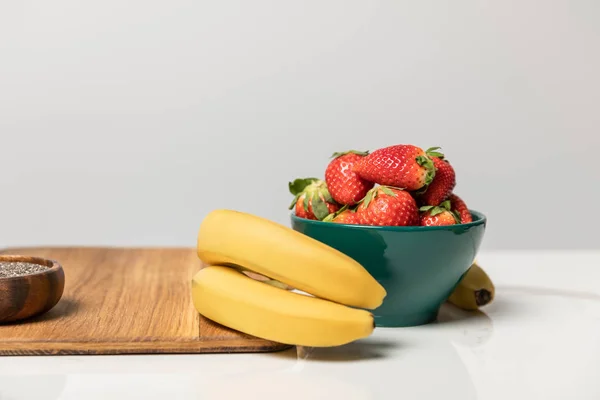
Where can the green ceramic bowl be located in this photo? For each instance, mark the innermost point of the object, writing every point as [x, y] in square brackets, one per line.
[419, 266]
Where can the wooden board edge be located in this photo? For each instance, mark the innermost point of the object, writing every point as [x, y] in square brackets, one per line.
[33, 348]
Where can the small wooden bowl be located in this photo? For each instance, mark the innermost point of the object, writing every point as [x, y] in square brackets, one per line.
[26, 296]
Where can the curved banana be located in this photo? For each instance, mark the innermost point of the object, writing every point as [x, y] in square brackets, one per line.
[237, 301]
[229, 237]
[475, 290]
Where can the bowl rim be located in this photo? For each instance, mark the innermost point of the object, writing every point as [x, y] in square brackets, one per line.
[53, 266]
[481, 220]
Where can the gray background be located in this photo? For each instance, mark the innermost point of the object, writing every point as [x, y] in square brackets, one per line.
[124, 123]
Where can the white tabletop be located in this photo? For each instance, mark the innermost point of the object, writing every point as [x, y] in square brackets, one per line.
[540, 339]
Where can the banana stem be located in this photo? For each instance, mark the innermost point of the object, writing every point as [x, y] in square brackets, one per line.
[482, 297]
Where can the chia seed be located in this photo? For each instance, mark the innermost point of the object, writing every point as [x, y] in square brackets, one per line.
[12, 269]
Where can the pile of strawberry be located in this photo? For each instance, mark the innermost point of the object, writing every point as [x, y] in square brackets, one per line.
[400, 185]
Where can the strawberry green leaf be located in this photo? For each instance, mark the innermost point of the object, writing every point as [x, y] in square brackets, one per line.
[446, 204]
[306, 201]
[342, 153]
[369, 197]
[422, 160]
[298, 185]
[436, 210]
[431, 152]
[295, 201]
[395, 187]
[360, 201]
[425, 208]
[319, 207]
[327, 195]
[329, 217]
[342, 209]
[456, 216]
[333, 215]
[388, 191]
[427, 163]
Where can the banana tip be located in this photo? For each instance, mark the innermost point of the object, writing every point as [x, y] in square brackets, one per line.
[483, 297]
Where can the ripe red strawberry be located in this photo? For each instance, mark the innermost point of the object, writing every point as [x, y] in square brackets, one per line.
[346, 217]
[403, 166]
[439, 215]
[305, 210]
[386, 206]
[311, 199]
[345, 186]
[460, 207]
[442, 185]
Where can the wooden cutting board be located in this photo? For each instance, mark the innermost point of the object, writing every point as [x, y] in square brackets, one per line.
[124, 301]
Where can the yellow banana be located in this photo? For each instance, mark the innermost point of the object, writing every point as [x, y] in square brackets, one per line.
[237, 301]
[229, 237]
[475, 290]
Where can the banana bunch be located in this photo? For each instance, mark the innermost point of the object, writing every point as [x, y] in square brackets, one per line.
[475, 289]
[338, 289]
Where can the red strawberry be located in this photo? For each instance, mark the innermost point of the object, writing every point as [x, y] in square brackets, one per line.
[346, 217]
[439, 215]
[311, 199]
[386, 206]
[442, 185]
[460, 207]
[404, 166]
[305, 210]
[345, 186]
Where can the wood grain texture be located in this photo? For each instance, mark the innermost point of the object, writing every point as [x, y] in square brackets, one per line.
[124, 301]
[25, 296]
